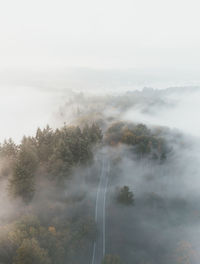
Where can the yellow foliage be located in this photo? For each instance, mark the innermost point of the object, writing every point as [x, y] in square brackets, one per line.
[52, 229]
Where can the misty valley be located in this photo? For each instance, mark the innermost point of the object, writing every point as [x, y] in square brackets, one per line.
[115, 181]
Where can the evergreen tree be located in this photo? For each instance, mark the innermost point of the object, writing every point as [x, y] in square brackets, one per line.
[125, 196]
[44, 140]
[22, 182]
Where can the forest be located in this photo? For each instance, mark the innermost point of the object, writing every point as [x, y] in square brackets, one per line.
[32, 235]
[99, 132]
[50, 184]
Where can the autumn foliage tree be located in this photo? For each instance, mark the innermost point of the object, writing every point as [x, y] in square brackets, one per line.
[144, 142]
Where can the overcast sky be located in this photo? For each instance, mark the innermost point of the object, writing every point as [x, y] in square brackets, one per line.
[47, 45]
[100, 34]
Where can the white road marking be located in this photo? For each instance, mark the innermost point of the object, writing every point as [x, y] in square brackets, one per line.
[103, 183]
[97, 197]
[104, 219]
[96, 207]
[94, 250]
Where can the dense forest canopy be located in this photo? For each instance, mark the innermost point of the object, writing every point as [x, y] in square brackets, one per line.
[50, 181]
[48, 158]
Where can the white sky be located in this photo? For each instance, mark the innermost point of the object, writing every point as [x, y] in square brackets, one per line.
[160, 38]
[100, 34]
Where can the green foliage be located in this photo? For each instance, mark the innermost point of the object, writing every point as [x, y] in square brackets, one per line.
[113, 134]
[44, 140]
[9, 149]
[125, 196]
[22, 183]
[27, 240]
[144, 141]
[110, 259]
[55, 152]
[141, 130]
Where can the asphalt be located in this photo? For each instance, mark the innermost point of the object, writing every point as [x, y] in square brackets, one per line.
[99, 246]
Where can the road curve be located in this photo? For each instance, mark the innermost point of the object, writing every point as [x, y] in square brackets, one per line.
[99, 246]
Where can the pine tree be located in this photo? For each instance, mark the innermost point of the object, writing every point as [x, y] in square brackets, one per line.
[125, 196]
[22, 182]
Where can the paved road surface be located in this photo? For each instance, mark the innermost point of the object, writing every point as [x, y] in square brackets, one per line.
[99, 247]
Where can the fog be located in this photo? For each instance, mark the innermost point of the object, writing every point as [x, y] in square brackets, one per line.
[99, 108]
[23, 109]
[163, 224]
[165, 231]
[155, 37]
[180, 112]
[32, 97]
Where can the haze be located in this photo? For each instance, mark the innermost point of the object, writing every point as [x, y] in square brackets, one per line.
[111, 34]
[89, 45]
[99, 105]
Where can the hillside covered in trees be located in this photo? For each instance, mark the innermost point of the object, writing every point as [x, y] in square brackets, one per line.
[46, 235]
[50, 184]
[42, 231]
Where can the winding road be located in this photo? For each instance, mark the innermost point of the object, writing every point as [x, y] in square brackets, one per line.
[99, 247]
